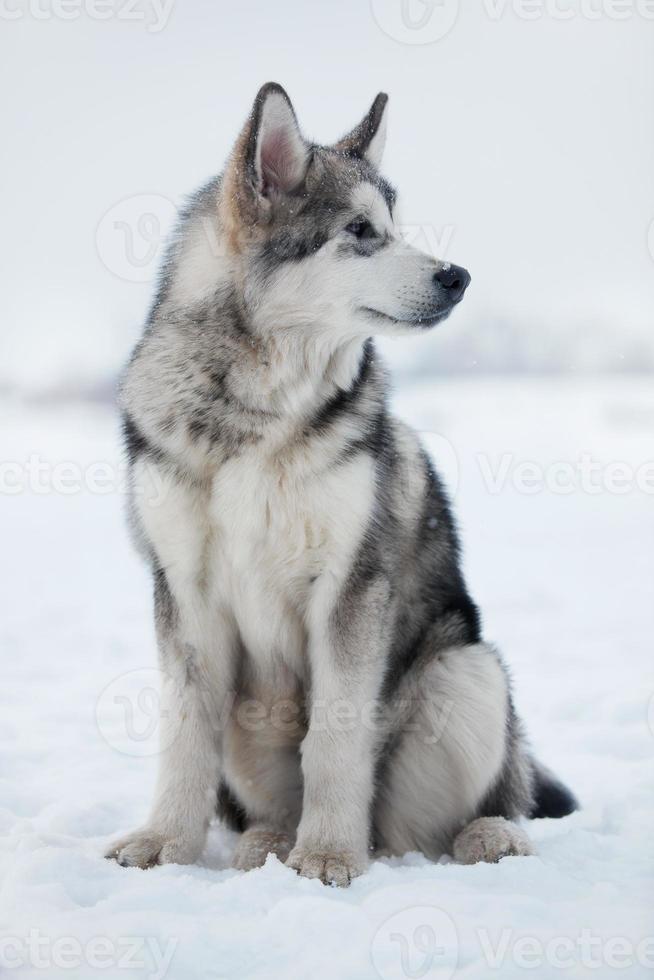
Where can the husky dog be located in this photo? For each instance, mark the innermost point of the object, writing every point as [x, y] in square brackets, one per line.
[326, 686]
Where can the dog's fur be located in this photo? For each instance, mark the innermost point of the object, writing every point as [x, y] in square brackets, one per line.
[326, 682]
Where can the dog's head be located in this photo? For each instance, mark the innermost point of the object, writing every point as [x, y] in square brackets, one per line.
[312, 233]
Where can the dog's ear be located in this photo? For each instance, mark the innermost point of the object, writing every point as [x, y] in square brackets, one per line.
[367, 140]
[279, 154]
[275, 153]
[270, 159]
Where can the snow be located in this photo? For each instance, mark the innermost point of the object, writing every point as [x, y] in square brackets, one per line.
[560, 555]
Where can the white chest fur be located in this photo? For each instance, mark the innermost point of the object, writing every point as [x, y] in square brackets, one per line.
[252, 542]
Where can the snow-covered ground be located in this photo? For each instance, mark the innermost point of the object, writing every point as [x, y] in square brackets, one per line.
[554, 487]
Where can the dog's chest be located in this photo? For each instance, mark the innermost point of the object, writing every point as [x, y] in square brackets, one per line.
[271, 539]
[259, 539]
[277, 532]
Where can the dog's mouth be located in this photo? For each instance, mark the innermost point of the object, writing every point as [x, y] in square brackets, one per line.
[422, 321]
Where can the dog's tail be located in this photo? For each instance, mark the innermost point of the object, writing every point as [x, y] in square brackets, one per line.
[551, 797]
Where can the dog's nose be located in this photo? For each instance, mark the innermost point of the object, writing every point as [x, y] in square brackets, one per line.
[453, 278]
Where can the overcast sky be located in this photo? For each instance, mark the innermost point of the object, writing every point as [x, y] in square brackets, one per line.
[524, 147]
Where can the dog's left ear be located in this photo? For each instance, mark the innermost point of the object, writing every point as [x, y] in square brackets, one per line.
[367, 140]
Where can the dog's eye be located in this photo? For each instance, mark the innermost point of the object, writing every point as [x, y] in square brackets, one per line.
[361, 229]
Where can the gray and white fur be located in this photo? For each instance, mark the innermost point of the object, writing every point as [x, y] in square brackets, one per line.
[326, 684]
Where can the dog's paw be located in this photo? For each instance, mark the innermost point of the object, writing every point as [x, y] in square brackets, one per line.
[147, 847]
[255, 845]
[332, 867]
[489, 839]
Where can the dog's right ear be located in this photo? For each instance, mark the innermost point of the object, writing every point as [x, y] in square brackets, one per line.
[276, 153]
[270, 157]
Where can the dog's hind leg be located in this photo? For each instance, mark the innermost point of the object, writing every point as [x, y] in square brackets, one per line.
[454, 754]
[262, 795]
[256, 843]
[489, 839]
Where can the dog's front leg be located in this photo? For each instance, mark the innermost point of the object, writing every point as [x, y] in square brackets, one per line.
[347, 650]
[195, 696]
